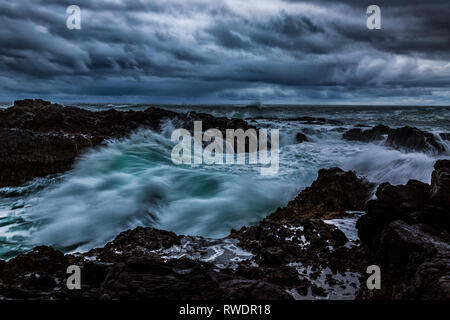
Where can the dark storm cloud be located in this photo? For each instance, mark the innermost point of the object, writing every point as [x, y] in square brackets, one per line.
[226, 50]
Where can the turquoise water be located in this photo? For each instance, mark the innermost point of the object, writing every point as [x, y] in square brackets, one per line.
[133, 182]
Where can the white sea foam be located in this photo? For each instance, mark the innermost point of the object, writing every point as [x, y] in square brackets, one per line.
[133, 182]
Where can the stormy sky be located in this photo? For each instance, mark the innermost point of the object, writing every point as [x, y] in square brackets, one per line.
[226, 51]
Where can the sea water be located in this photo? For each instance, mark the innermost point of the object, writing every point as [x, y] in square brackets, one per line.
[132, 182]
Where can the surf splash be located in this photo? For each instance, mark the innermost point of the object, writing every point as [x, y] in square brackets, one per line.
[133, 182]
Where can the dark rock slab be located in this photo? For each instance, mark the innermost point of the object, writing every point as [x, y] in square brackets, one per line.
[333, 193]
[413, 139]
[405, 138]
[284, 256]
[137, 242]
[148, 277]
[406, 231]
[376, 133]
[38, 138]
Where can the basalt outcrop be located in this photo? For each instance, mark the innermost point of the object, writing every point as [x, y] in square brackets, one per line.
[295, 252]
[406, 231]
[289, 254]
[413, 139]
[283, 257]
[332, 195]
[405, 138]
[374, 134]
[38, 138]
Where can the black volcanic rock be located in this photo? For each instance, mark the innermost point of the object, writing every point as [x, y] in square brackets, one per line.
[31, 275]
[405, 138]
[262, 262]
[41, 274]
[439, 199]
[25, 154]
[148, 277]
[38, 138]
[376, 133]
[413, 139]
[136, 242]
[392, 203]
[406, 231]
[445, 136]
[331, 195]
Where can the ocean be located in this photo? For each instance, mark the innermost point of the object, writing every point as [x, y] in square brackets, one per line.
[133, 182]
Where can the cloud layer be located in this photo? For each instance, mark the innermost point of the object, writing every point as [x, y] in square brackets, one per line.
[226, 51]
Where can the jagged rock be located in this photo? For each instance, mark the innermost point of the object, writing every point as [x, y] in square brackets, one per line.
[150, 278]
[38, 138]
[415, 202]
[311, 244]
[136, 242]
[282, 257]
[268, 240]
[406, 138]
[440, 184]
[300, 137]
[392, 203]
[413, 139]
[31, 275]
[432, 279]
[376, 133]
[403, 247]
[25, 154]
[406, 231]
[418, 262]
[331, 195]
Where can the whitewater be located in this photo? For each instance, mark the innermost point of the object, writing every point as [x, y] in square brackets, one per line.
[132, 182]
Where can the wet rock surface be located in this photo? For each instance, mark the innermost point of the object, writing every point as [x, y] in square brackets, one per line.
[405, 138]
[305, 250]
[413, 139]
[376, 133]
[38, 138]
[297, 252]
[406, 231]
[284, 257]
[333, 194]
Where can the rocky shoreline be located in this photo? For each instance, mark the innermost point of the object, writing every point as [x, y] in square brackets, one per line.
[306, 250]
[405, 138]
[38, 138]
[285, 256]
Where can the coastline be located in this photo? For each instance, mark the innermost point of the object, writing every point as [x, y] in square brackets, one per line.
[283, 257]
